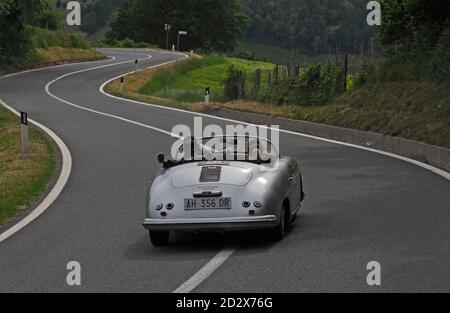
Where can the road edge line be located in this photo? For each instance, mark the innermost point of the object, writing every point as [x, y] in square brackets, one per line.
[66, 169]
[53, 66]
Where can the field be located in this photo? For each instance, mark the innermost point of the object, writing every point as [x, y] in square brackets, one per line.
[22, 179]
[187, 82]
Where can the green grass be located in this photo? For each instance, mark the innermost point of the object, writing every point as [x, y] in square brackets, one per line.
[187, 81]
[43, 38]
[22, 179]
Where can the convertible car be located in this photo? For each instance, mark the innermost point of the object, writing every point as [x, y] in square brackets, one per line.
[223, 187]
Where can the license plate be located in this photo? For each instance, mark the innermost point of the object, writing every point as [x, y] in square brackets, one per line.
[207, 204]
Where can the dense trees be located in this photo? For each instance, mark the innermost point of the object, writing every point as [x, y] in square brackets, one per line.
[14, 16]
[97, 14]
[212, 25]
[410, 23]
[310, 25]
[417, 36]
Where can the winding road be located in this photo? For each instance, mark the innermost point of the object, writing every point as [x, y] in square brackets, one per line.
[361, 206]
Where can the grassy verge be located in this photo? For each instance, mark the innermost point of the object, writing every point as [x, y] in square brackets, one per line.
[58, 54]
[48, 47]
[22, 179]
[412, 110]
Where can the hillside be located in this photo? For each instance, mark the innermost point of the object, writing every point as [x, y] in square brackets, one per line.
[312, 26]
[97, 14]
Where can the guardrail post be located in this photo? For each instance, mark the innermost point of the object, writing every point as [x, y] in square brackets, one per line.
[122, 81]
[207, 93]
[24, 125]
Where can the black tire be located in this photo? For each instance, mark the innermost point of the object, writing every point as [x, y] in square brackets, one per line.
[279, 232]
[159, 238]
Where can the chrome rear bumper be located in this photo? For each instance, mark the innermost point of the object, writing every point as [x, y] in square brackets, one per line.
[212, 224]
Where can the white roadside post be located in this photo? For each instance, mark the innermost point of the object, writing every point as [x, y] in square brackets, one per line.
[24, 124]
[122, 81]
[136, 65]
[180, 33]
[207, 92]
[173, 48]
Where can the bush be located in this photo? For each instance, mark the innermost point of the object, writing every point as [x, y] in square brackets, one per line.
[316, 86]
[126, 43]
[43, 38]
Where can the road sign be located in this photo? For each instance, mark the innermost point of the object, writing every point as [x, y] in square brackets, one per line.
[180, 33]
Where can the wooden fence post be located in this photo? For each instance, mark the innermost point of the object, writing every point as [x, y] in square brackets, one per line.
[345, 72]
[257, 85]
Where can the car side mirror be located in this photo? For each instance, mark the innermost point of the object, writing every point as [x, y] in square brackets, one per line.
[161, 158]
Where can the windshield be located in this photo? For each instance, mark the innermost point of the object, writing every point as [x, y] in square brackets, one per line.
[227, 148]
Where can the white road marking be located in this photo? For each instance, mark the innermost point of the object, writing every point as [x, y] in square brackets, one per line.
[205, 271]
[56, 190]
[54, 66]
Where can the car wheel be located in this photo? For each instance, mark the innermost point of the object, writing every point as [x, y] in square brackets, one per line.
[279, 232]
[159, 238]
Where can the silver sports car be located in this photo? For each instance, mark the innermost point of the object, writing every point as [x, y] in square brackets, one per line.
[224, 186]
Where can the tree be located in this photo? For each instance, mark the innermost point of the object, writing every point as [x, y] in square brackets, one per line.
[212, 25]
[411, 24]
[311, 26]
[14, 16]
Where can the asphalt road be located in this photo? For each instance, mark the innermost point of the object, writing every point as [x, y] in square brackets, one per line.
[360, 207]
